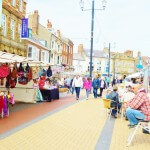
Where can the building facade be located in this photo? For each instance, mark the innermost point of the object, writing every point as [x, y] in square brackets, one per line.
[67, 51]
[13, 11]
[59, 50]
[123, 64]
[82, 58]
[39, 44]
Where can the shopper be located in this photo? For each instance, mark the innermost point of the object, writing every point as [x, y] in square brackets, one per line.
[95, 85]
[102, 86]
[77, 83]
[115, 103]
[87, 85]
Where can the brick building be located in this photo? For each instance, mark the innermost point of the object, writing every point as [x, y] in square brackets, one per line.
[12, 13]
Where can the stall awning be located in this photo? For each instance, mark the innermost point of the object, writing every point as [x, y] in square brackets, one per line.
[8, 57]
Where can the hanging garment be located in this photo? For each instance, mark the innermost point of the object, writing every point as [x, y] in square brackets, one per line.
[4, 71]
[42, 82]
[41, 71]
[27, 68]
[5, 108]
[1, 103]
[1, 81]
[29, 74]
[22, 79]
[49, 72]
[38, 96]
[11, 98]
[21, 68]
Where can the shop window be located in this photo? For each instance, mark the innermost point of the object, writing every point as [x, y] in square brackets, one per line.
[4, 24]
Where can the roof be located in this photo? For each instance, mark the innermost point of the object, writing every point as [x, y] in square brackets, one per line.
[36, 40]
[77, 56]
[96, 53]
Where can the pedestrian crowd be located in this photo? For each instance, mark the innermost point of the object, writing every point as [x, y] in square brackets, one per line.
[133, 99]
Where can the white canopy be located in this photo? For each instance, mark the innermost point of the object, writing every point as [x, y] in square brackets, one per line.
[135, 75]
[8, 57]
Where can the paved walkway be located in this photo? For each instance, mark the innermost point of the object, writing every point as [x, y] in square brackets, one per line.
[79, 125]
[76, 127]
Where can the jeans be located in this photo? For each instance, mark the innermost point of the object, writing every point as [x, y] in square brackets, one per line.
[134, 116]
[87, 93]
[114, 111]
[72, 91]
[101, 91]
[95, 92]
[77, 91]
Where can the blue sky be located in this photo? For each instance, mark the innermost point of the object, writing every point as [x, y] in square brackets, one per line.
[124, 22]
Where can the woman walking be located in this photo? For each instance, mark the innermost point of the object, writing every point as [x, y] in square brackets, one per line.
[87, 85]
[102, 86]
[77, 83]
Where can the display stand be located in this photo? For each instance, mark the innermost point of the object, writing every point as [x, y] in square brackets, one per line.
[23, 93]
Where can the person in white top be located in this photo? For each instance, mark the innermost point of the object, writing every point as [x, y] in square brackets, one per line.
[77, 83]
[128, 95]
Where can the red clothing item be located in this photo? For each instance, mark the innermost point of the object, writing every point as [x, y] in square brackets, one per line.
[141, 102]
[1, 103]
[4, 71]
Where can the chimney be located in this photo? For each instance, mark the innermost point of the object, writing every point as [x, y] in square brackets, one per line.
[35, 22]
[58, 33]
[80, 48]
[49, 25]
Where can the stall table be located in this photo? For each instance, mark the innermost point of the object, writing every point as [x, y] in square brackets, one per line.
[49, 95]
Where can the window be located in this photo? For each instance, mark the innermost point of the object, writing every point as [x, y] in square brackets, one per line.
[58, 60]
[13, 2]
[33, 53]
[45, 56]
[4, 24]
[20, 5]
[30, 52]
[58, 48]
[19, 31]
[52, 45]
[12, 27]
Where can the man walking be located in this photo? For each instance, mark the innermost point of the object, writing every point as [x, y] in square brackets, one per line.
[95, 85]
[77, 83]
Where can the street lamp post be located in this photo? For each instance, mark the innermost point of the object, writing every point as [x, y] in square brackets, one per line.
[109, 61]
[92, 27]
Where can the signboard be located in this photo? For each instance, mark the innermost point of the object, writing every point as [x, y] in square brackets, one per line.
[0, 13]
[24, 30]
